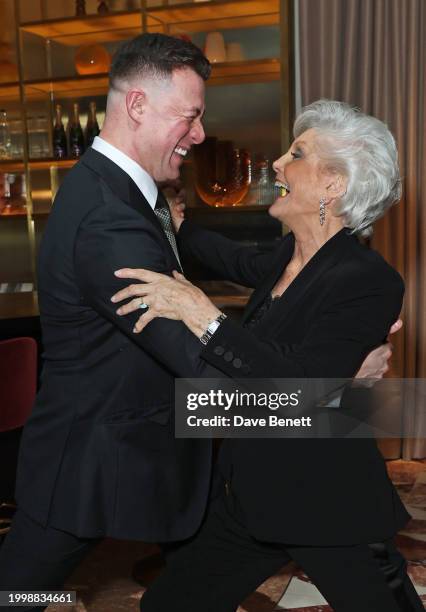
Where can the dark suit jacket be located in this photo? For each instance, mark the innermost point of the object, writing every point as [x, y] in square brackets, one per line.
[98, 455]
[341, 305]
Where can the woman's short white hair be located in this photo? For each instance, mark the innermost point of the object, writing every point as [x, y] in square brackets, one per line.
[362, 149]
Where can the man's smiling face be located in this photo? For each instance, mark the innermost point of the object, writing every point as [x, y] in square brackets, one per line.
[171, 123]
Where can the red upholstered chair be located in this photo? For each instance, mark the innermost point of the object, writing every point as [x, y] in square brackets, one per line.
[18, 383]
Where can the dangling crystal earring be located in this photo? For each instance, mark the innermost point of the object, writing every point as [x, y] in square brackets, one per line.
[322, 210]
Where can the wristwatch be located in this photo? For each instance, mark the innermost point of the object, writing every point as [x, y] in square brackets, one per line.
[212, 327]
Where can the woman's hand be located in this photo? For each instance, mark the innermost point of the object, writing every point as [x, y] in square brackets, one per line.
[164, 296]
[376, 364]
[175, 196]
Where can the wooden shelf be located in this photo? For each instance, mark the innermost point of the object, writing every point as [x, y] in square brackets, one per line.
[13, 211]
[188, 17]
[36, 164]
[74, 31]
[13, 165]
[214, 15]
[247, 71]
[78, 86]
[227, 73]
[46, 164]
[9, 91]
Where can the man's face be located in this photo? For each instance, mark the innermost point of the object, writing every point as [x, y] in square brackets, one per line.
[170, 123]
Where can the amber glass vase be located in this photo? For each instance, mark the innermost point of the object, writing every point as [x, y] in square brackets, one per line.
[223, 172]
[92, 59]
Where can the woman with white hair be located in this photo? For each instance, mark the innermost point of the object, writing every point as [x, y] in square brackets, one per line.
[322, 301]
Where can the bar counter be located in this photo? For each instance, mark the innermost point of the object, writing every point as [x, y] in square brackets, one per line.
[18, 305]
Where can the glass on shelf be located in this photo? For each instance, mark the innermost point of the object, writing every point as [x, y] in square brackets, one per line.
[223, 172]
[262, 186]
[38, 135]
[17, 139]
[13, 194]
[5, 138]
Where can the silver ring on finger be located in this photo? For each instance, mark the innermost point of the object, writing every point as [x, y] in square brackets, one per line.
[142, 305]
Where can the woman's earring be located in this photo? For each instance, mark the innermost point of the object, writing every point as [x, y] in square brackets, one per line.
[322, 211]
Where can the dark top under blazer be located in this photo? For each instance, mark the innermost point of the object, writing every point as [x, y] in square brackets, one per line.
[340, 306]
[98, 455]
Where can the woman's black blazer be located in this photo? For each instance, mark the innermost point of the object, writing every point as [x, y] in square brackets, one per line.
[341, 305]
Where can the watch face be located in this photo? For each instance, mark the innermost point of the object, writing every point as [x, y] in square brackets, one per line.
[213, 326]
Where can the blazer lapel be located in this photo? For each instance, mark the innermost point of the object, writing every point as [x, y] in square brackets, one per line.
[327, 256]
[126, 190]
[138, 202]
[284, 253]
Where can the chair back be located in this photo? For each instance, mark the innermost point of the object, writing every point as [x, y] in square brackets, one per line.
[18, 381]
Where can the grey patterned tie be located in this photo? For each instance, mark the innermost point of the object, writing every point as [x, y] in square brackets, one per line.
[163, 213]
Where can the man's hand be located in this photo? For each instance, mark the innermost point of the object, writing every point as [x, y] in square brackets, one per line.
[376, 364]
[175, 196]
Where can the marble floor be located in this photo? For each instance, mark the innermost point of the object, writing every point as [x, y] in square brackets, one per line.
[105, 582]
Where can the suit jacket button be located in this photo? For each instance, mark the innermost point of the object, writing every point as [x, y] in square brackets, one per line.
[228, 356]
[218, 350]
[246, 369]
[237, 363]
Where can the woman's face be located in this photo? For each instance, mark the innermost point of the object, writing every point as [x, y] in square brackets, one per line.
[299, 170]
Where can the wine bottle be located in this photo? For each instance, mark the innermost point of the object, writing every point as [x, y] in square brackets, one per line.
[59, 136]
[76, 133]
[103, 8]
[92, 128]
[5, 139]
[80, 8]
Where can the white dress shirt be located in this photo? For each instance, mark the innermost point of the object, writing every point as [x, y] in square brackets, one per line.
[142, 179]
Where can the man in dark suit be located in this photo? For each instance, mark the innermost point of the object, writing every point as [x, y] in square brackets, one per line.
[98, 455]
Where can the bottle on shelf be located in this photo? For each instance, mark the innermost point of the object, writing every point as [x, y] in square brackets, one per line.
[92, 127]
[76, 137]
[60, 149]
[80, 8]
[261, 190]
[103, 7]
[5, 139]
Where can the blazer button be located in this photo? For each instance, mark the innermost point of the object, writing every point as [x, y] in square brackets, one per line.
[237, 363]
[228, 356]
[246, 369]
[218, 350]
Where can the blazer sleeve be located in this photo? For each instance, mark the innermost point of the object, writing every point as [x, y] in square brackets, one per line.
[113, 236]
[230, 260]
[355, 319]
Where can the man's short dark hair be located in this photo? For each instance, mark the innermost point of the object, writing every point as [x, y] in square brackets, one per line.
[156, 55]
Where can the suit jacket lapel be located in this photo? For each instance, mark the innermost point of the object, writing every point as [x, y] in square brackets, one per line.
[327, 256]
[126, 190]
[284, 253]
